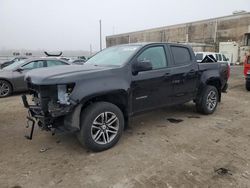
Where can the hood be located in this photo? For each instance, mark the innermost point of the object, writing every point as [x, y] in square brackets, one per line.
[62, 74]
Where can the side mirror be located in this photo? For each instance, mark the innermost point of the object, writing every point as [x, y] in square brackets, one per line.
[19, 69]
[140, 66]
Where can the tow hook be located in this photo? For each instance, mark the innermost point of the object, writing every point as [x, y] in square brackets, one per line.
[30, 122]
[25, 102]
[53, 131]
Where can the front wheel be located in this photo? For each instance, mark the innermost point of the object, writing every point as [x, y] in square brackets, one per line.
[102, 124]
[5, 88]
[209, 100]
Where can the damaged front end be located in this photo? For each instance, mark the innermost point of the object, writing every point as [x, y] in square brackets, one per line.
[51, 106]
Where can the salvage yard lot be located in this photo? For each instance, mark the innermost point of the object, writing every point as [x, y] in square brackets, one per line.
[201, 151]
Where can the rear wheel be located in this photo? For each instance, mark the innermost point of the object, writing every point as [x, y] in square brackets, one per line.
[247, 86]
[209, 100]
[5, 88]
[102, 125]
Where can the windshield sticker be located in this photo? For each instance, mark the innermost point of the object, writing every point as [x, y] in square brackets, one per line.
[129, 49]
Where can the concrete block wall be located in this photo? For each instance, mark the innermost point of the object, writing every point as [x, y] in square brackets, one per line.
[211, 32]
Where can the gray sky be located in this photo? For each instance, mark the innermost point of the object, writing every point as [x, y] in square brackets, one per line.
[74, 24]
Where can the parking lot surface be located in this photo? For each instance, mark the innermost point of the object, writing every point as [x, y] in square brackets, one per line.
[171, 147]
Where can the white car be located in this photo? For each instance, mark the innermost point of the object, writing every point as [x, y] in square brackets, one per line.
[221, 58]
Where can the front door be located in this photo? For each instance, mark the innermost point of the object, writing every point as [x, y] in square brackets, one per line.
[152, 88]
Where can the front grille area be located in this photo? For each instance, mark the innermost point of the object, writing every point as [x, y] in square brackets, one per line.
[43, 95]
[46, 109]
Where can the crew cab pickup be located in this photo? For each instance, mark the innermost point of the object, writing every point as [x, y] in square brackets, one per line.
[97, 99]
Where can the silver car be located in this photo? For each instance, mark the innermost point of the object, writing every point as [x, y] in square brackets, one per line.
[12, 76]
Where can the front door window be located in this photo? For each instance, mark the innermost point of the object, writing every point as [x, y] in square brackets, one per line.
[156, 55]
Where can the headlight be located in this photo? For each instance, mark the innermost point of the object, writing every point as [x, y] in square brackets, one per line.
[63, 92]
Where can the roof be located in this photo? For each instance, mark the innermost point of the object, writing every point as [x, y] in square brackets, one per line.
[45, 58]
[147, 43]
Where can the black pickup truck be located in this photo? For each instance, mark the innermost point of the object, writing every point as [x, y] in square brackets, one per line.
[97, 99]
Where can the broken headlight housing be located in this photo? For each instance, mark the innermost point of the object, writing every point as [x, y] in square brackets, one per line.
[63, 93]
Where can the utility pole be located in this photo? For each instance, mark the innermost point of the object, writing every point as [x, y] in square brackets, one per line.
[90, 50]
[216, 45]
[215, 31]
[100, 22]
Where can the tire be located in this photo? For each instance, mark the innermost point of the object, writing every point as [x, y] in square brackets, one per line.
[102, 124]
[5, 89]
[209, 100]
[247, 86]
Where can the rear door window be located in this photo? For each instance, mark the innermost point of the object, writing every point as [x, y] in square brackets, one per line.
[181, 55]
[224, 58]
[52, 63]
[219, 56]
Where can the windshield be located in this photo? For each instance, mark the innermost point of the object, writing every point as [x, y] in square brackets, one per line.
[113, 56]
[14, 65]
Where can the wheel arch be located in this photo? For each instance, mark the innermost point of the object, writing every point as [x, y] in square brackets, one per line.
[217, 84]
[116, 97]
[212, 82]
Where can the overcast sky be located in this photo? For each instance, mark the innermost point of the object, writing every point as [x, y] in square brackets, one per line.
[74, 24]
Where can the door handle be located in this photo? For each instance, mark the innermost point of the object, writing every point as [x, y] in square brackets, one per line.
[191, 72]
[167, 75]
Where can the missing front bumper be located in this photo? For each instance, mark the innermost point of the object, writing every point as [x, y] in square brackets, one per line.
[54, 118]
[36, 116]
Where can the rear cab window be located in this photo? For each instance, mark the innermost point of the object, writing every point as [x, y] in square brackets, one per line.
[181, 55]
[199, 56]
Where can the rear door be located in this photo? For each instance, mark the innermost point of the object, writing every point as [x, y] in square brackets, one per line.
[152, 88]
[184, 74]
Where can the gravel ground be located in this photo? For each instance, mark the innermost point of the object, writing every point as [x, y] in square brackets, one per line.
[200, 151]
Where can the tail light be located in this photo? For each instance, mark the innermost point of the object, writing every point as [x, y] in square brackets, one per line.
[246, 65]
[228, 71]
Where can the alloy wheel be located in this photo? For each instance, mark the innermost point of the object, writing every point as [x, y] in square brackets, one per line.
[4, 89]
[211, 100]
[105, 128]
